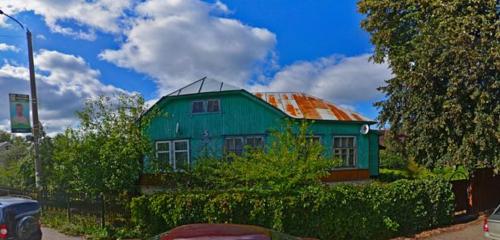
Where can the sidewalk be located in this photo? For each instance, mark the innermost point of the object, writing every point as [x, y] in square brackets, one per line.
[51, 234]
[472, 230]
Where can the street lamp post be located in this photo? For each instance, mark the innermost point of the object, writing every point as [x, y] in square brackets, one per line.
[34, 102]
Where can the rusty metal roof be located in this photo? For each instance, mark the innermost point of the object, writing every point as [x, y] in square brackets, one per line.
[301, 105]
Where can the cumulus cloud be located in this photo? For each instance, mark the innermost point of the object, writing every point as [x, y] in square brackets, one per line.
[177, 42]
[343, 80]
[7, 47]
[103, 15]
[64, 83]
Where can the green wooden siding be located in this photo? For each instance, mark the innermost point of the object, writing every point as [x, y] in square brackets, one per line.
[241, 114]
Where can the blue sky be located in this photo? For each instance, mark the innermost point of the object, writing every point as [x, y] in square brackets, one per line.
[89, 48]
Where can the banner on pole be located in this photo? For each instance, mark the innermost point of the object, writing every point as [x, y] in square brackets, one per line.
[19, 113]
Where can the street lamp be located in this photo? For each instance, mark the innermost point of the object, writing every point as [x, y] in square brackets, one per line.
[34, 104]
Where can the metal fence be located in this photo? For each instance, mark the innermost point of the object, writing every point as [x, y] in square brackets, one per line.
[105, 208]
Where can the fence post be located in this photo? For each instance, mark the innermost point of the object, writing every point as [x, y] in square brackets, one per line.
[68, 207]
[103, 208]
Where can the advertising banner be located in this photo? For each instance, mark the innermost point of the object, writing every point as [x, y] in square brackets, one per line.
[19, 113]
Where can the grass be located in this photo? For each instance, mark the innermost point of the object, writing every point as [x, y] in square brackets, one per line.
[88, 226]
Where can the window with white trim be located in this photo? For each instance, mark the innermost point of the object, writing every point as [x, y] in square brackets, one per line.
[198, 107]
[255, 142]
[175, 153]
[213, 105]
[237, 144]
[344, 147]
[233, 145]
[163, 151]
[205, 106]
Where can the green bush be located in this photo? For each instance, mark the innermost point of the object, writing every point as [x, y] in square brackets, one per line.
[391, 175]
[372, 211]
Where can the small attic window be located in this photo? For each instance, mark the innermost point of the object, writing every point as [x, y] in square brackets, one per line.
[198, 107]
[213, 105]
[206, 106]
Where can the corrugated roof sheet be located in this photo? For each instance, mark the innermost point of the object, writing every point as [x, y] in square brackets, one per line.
[294, 104]
[301, 105]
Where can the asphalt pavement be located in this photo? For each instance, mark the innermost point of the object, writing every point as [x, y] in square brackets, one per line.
[51, 234]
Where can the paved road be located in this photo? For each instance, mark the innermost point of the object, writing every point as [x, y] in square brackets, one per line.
[473, 231]
[51, 234]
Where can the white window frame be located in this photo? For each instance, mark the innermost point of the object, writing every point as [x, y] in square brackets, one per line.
[180, 151]
[204, 103]
[163, 151]
[171, 152]
[218, 103]
[233, 138]
[354, 147]
[254, 136]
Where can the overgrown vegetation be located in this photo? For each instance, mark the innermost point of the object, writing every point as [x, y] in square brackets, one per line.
[86, 225]
[374, 211]
[291, 161]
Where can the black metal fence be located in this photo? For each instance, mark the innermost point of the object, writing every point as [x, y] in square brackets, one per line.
[105, 208]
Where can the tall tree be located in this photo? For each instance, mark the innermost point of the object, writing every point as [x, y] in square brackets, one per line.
[104, 154]
[444, 96]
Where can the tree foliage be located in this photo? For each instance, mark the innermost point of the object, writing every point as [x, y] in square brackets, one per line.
[291, 160]
[104, 154]
[11, 161]
[445, 92]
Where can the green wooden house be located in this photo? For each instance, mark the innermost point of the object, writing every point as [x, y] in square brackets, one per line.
[211, 117]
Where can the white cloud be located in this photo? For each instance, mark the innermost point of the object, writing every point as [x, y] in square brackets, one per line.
[7, 47]
[64, 82]
[343, 80]
[179, 41]
[103, 15]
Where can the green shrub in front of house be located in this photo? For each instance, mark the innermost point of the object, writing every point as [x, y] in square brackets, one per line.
[372, 211]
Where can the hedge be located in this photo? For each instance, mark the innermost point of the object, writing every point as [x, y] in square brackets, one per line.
[391, 175]
[371, 211]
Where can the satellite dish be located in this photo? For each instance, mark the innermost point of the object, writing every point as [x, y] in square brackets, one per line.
[364, 129]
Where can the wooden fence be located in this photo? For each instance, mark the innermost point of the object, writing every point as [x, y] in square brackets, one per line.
[480, 193]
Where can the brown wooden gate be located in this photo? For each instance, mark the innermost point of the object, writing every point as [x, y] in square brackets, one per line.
[481, 192]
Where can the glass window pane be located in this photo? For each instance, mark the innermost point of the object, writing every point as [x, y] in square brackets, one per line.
[227, 144]
[162, 146]
[335, 142]
[198, 107]
[164, 157]
[181, 160]
[213, 106]
[238, 145]
[350, 142]
[181, 146]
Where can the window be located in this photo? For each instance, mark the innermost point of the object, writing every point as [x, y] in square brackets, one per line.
[163, 151]
[345, 149]
[233, 145]
[175, 153]
[237, 144]
[181, 154]
[213, 105]
[204, 106]
[198, 107]
[254, 141]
